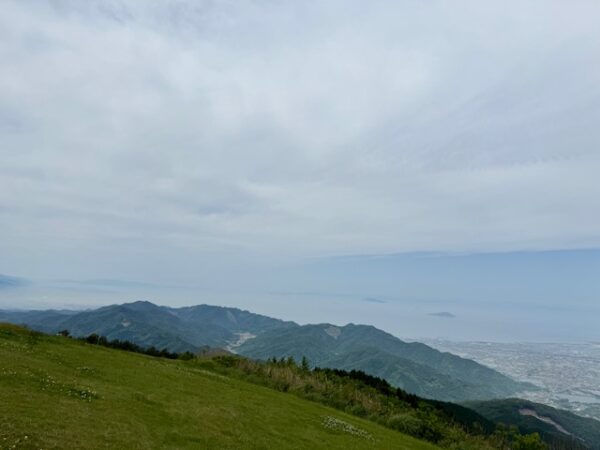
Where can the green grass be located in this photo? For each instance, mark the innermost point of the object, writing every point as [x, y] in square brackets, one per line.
[61, 393]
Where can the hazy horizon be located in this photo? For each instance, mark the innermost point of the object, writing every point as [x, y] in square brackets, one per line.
[510, 297]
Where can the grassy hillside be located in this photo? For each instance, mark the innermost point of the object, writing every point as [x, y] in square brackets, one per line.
[61, 393]
[561, 429]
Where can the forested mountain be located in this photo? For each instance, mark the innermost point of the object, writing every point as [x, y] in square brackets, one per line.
[560, 428]
[146, 324]
[413, 366]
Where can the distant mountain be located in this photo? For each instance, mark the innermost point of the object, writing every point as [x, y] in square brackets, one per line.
[45, 321]
[559, 428]
[141, 322]
[232, 319]
[146, 324]
[414, 367]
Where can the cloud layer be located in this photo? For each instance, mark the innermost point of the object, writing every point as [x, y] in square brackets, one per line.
[136, 133]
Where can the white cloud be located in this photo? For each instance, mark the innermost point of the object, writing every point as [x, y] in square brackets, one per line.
[298, 129]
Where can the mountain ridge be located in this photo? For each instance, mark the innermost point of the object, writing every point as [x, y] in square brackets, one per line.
[436, 374]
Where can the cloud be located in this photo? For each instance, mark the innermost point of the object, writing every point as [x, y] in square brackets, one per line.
[196, 132]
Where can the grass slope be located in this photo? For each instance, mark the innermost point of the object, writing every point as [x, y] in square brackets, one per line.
[60, 393]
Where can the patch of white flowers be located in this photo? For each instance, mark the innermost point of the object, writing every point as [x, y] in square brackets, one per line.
[83, 394]
[48, 383]
[16, 345]
[333, 423]
[18, 443]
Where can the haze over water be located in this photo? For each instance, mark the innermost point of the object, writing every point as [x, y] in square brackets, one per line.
[527, 297]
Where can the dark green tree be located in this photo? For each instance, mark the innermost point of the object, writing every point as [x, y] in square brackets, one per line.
[304, 365]
[529, 442]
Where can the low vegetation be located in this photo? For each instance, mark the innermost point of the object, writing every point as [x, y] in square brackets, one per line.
[445, 424]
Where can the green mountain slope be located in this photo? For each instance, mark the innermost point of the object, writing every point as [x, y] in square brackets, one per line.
[562, 429]
[60, 393]
[231, 319]
[415, 367]
[142, 322]
[403, 373]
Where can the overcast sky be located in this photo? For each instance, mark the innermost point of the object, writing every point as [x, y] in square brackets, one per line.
[152, 140]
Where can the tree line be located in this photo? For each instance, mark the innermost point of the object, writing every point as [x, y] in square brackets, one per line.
[129, 346]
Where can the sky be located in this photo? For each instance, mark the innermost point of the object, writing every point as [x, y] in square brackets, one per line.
[238, 146]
